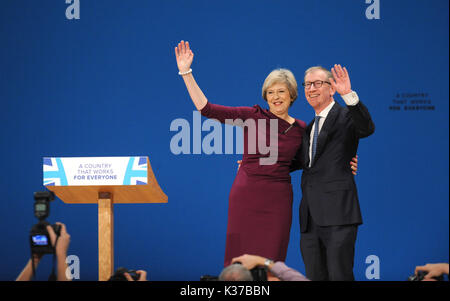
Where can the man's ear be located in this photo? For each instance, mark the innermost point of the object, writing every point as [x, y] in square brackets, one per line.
[332, 90]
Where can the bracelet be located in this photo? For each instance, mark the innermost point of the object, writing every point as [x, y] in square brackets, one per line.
[184, 73]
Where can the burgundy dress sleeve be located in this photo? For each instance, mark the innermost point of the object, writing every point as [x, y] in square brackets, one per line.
[297, 163]
[222, 113]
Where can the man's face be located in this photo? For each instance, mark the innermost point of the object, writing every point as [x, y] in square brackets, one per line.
[318, 98]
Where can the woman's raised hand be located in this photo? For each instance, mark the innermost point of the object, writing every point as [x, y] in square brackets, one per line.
[184, 56]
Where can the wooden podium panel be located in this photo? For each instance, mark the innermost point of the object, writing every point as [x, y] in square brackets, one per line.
[105, 236]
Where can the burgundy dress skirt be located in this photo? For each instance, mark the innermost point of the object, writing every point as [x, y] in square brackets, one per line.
[260, 200]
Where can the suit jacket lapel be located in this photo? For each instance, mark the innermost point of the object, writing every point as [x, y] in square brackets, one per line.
[326, 129]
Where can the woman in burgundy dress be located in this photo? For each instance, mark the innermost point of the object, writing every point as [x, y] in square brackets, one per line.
[260, 201]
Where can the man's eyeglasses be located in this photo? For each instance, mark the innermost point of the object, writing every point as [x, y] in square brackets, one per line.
[317, 84]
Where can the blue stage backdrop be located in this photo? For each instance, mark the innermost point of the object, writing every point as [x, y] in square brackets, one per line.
[105, 83]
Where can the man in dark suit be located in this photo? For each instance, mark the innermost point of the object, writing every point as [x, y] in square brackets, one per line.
[329, 210]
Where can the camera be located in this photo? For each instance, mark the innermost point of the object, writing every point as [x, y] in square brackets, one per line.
[421, 274]
[119, 275]
[259, 273]
[39, 238]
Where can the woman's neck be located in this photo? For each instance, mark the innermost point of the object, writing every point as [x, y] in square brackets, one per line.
[285, 116]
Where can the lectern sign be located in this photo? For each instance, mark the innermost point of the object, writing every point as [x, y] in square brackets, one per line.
[95, 171]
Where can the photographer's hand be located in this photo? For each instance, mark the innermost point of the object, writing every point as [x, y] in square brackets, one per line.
[250, 261]
[27, 272]
[62, 245]
[433, 270]
[142, 276]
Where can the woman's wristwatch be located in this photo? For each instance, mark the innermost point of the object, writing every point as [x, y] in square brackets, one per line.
[268, 262]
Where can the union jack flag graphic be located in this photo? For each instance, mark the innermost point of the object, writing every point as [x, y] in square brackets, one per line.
[54, 174]
[136, 173]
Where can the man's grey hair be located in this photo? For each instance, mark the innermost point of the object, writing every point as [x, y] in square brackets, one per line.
[316, 68]
[235, 272]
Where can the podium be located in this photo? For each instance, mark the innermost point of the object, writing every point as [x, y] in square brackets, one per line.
[103, 181]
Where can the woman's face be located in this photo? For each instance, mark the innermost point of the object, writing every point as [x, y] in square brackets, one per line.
[278, 98]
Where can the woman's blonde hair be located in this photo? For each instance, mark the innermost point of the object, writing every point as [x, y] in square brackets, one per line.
[283, 76]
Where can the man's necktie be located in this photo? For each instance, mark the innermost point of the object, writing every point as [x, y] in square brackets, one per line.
[316, 135]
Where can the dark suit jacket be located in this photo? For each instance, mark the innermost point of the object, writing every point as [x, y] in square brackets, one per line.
[328, 187]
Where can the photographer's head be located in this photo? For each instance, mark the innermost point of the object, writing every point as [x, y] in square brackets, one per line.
[235, 272]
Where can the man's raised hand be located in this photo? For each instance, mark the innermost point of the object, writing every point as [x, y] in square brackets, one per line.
[341, 81]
